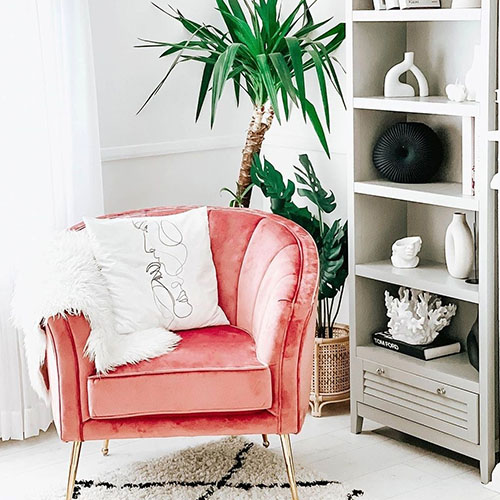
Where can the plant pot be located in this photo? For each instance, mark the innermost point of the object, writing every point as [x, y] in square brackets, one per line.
[330, 380]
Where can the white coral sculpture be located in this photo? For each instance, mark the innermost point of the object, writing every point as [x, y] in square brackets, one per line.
[417, 317]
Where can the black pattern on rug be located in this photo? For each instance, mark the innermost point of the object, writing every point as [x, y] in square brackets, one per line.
[212, 486]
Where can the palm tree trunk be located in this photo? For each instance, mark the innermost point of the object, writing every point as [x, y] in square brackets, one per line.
[259, 125]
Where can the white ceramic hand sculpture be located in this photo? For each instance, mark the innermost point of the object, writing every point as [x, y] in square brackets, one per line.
[404, 252]
[394, 88]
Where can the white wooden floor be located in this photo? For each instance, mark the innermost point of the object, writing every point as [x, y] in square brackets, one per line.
[382, 462]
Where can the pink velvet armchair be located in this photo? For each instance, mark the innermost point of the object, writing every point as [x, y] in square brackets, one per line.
[252, 377]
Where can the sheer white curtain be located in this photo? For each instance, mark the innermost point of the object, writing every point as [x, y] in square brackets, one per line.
[50, 172]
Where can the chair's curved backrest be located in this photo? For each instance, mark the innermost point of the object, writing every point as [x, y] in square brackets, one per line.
[241, 240]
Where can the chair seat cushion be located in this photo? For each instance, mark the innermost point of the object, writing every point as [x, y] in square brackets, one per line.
[213, 369]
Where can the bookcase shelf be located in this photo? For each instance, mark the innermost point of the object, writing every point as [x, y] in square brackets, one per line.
[385, 385]
[430, 276]
[360, 16]
[444, 194]
[433, 105]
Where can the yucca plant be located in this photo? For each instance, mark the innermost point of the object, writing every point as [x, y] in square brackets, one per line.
[331, 240]
[265, 54]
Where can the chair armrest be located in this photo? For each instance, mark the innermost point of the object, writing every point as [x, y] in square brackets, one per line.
[277, 298]
[68, 370]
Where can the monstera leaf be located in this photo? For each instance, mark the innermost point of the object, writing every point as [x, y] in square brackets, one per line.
[333, 261]
[271, 181]
[325, 201]
[272, 185]
[331, 241]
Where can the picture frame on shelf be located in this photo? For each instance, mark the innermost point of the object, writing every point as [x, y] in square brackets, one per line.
[419, 4]
[379, 5]
[392, 4]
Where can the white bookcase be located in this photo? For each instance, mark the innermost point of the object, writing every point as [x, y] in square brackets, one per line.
[445, 401]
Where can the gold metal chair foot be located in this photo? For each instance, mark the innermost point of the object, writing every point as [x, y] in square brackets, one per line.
[286, 445]
[73, 467]
[105, 448]
[265, 441]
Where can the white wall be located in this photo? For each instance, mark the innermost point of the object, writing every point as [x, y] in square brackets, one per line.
[165, 132]
[161, 156]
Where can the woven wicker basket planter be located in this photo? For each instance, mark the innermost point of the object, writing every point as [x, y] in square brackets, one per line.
[330, 381]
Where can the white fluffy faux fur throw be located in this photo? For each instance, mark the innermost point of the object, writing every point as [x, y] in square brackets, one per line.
[65, 279]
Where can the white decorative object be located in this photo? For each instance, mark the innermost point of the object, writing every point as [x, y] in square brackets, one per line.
[456, 92]
[392, 4]
[393, 87]
[63, 278]
[159, 270]
[473, 75]
[459, 247]
[466, 4]
[404, 252]
[417, 317]
[379, 4]
[419, 4]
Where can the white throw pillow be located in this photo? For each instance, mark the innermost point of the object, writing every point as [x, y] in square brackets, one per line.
[159, 270]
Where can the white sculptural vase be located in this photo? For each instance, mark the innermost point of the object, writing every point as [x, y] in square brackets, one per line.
[473, 75]
[393, 87]
[459, 247]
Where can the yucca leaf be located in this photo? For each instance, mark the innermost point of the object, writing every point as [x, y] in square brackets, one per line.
[337, 31]
[239, 29]
[236, 9]
[308, 18]
[305, 30]
[237, 87]
[318, 128]
[298, 68]
[284, 74]
[285, 28]
[268, 82]
[222, 69]
[332, 74]
[322, 84]
[164, 79]
[205, 83]
[176, 47]
[284, 101]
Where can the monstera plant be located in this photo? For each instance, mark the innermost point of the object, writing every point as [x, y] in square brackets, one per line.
[265, 54]
[331, 239]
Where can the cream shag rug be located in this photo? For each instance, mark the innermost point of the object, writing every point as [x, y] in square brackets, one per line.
[229, 469]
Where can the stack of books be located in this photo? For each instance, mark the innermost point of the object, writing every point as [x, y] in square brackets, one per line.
[442, 346]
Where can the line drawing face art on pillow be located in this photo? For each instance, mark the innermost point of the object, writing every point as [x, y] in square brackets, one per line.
[164, 242]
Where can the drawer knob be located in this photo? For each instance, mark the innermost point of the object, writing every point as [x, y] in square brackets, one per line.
[380, 371]
[441, 391]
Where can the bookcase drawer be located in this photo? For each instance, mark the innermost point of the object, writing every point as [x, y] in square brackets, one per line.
[422, 400]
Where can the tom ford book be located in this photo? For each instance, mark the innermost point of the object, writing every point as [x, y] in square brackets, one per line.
[442, 346]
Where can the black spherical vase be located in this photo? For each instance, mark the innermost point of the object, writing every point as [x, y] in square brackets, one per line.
[408, 152]
[473, 346]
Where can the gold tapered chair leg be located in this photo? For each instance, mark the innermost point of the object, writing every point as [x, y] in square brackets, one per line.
[105, 448]
[73, 467]
[286, 445]
[265, 441]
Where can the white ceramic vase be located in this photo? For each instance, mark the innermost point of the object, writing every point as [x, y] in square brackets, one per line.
[393, 87]
[473, 75]
[459, 247]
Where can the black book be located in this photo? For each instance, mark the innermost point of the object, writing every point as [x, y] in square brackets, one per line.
[442, 346]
